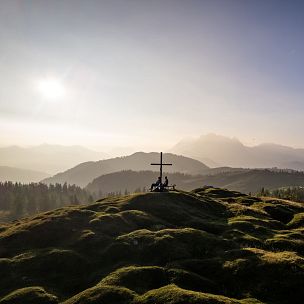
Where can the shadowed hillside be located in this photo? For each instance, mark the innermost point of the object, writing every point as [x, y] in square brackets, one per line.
[241, 180]
[253, 180]
[205, 246]
[119, 182]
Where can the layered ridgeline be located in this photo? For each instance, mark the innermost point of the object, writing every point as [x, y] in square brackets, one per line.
[108, 176]
[205, 246]
[84, 173]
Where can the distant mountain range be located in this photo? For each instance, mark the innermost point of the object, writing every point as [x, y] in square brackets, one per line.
[134, 171]
[250, 180]
[79, 165]
[47, 158]
[84, 173]
[20, 175]
[215, 151]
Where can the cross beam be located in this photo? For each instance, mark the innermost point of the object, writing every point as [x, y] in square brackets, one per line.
[161, 166]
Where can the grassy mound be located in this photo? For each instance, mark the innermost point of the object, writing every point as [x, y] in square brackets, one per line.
[297, 221]
[103, 294]
[173, 295]
[209, 245]
[29, 295]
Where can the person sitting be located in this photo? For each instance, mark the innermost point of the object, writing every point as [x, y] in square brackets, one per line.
[157, 184]
[166, 183]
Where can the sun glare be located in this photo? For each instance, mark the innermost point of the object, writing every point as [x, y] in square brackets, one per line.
[51, 89]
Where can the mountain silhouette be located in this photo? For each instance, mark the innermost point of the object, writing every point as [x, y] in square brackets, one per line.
[224, 151]
[84, 173]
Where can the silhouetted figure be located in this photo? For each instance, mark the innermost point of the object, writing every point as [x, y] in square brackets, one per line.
[157, 184]
[166, 183]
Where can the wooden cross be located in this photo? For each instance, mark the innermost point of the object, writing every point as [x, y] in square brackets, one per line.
[161, 166]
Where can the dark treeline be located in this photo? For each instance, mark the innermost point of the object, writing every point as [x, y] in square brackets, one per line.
[289, 193]
[18, 200]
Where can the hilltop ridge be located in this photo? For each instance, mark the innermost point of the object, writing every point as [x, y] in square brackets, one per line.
[209, 245]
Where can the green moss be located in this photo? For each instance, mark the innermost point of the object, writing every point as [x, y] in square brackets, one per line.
[238, 209]
[266, 223]
[263, 270]
[86, 234]
[136, 278]
[171, 294]
[297, 221]
[103, 294]
[218, 193]
[170, 244]
[29, 295]
[287, 240]
[191, 281]
[47, 267]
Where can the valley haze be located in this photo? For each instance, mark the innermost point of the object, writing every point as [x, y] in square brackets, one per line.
[212, 150]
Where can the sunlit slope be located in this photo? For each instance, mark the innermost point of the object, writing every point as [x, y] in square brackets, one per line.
[205, 246]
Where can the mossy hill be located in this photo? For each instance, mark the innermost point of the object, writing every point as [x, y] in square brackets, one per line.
[205, 246]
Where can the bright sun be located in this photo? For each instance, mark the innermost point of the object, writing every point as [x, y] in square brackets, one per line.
[51, 88]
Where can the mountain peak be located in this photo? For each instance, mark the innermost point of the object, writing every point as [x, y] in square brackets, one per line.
[218, 138]
[225, 151]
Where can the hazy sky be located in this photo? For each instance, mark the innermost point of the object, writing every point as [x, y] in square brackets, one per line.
[147, 73]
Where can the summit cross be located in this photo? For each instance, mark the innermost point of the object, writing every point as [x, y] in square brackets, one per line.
[161, 164]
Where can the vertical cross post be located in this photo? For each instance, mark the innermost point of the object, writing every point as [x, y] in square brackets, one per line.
[161, 164]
